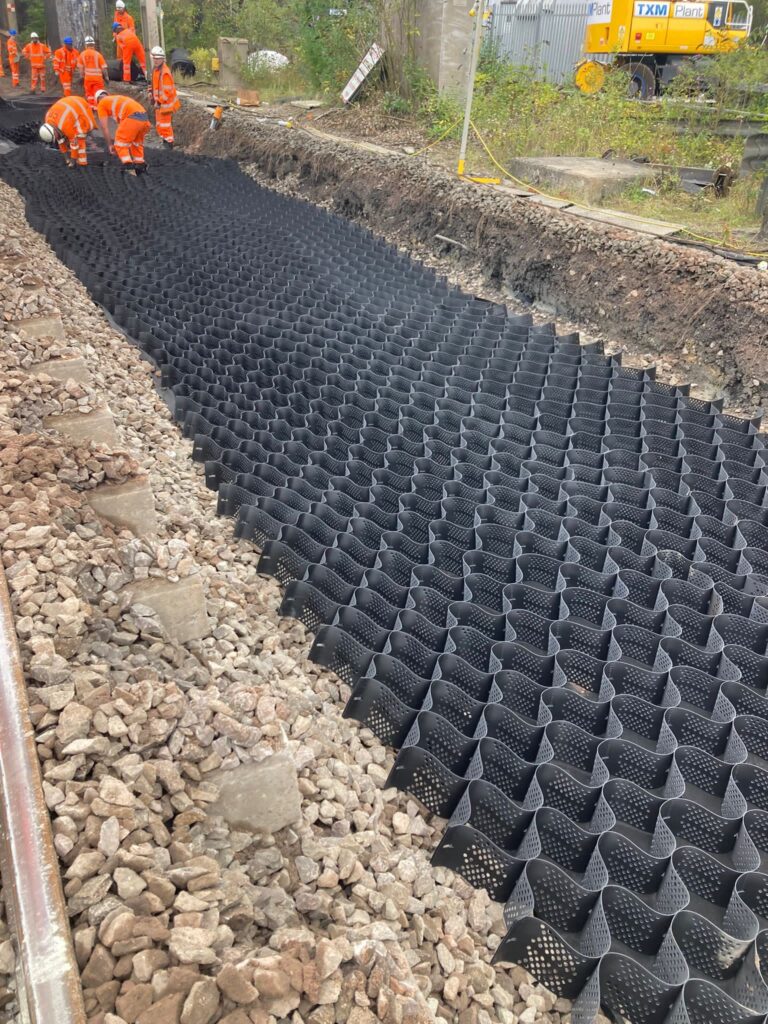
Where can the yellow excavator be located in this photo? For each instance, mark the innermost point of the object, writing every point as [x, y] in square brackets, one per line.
[652, 39]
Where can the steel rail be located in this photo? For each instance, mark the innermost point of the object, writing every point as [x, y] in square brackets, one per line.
[48, 979]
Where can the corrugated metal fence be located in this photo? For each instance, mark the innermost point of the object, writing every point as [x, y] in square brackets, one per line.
[545, 35]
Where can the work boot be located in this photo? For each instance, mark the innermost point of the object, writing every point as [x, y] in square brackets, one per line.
[168, 144]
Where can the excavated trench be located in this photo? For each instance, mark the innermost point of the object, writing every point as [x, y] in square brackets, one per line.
[542, 574]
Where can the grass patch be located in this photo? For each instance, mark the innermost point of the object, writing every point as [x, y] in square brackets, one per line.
[519, 116]
[729, 219]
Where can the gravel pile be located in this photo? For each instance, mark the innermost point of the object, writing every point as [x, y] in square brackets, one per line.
[180, 914]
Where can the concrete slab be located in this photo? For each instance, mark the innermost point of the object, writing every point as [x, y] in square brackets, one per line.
[64, 369]
[262, 797]
[591, 179]
[179, 606]
[40, 327]
[128, 506]
[657, 228]
[96, 426]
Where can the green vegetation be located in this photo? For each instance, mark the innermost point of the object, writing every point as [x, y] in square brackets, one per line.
[324, 48]
[31, 17]
[730, 219]
[518, 115]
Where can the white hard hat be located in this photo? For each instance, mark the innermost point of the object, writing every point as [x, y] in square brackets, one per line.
[101, 94]
[47, 133]
[120, 5]
[158, 51]
[90, 41]
[33, 35]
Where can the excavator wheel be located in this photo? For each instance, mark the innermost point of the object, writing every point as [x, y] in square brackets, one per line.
[642, 81]
[590, 77]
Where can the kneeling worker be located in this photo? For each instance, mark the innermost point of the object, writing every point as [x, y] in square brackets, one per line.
[132, 125]
[164, 95]
[66, 125]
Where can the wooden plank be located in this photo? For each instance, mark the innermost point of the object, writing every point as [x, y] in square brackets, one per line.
[555, 204]
[617, 219]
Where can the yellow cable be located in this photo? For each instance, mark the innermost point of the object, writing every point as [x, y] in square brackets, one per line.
[439, 139]
[592, 209]
[724, 245]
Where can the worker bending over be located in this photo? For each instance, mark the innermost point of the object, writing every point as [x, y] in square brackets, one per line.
[132, 125]
[12, 47]
[67, 124]
[65, 63]
[130, 47]
[164, 95]
[124, 20]
[37, 54]
[94, 70]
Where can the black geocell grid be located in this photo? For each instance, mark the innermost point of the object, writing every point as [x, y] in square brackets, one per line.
[543, 574]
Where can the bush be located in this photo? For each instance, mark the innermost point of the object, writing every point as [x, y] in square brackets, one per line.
[331, 47]
[202, 57]
[734, 79]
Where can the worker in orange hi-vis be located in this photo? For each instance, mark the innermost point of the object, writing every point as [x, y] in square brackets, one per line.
[94, 70]
[12, 47]
[164, 95]
[37, 54]
[130, 47]
[124, 20]
[67, 124]
[65, 63]
[132, 126]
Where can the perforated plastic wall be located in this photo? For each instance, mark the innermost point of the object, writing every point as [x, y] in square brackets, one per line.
[542, 574]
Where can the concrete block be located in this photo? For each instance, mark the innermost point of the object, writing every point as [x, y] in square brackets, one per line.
[179, 606]
[587, 177]
[64, 369]
[96, 426]
[261, 797]
[233, 57]
[442, 42]
[40, 327]
[128, 506]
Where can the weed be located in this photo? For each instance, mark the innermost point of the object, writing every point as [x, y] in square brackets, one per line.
[394, 103]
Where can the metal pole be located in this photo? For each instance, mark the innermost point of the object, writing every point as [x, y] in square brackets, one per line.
[161, 19]
[11, 13]
[479, 13]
